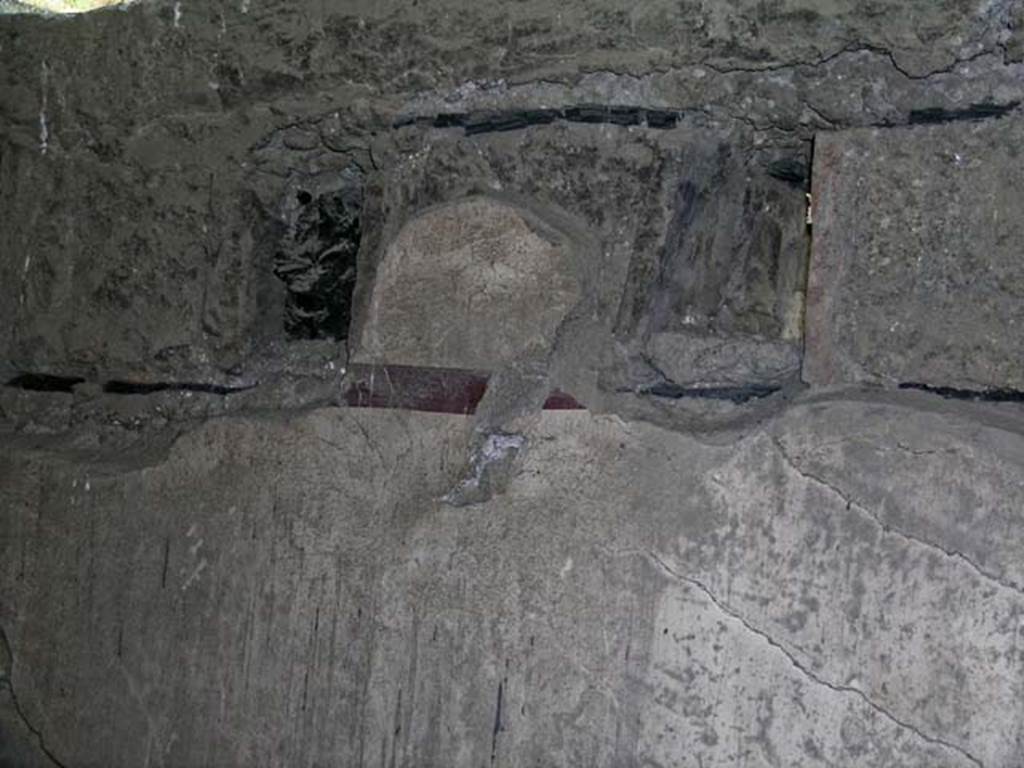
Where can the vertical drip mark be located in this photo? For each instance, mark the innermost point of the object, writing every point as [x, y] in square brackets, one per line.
[167, 553]
[497, 723]
[44, 130]
[397, 730]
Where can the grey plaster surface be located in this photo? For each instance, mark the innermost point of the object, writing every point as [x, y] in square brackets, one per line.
[841, 586]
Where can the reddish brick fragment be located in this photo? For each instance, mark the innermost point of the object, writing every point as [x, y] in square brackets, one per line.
[415, 388]
[562, 401]
[421, 388]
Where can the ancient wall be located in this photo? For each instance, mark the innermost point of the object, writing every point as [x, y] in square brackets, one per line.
[452, 384]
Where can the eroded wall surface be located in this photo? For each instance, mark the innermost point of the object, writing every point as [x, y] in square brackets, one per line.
[460, 384]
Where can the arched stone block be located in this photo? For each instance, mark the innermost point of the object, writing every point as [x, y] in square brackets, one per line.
[472, 284]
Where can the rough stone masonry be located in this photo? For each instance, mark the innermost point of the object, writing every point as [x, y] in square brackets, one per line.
[451, 383]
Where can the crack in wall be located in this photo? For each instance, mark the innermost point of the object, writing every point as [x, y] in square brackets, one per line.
[850, 49]
[7, 682]
[889, 529]
[727, 610]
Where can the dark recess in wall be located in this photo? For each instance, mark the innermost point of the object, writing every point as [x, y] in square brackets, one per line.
[44, 382]
[977, 395]
[477, 123]
[981, 111]
[317, 263]
[791, 171]
[116, 387]
[737, 395]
